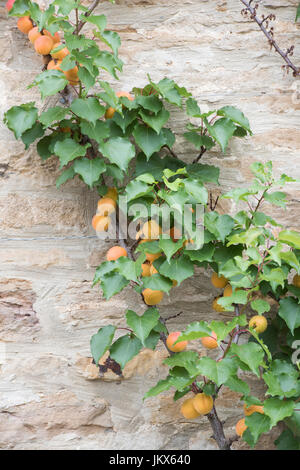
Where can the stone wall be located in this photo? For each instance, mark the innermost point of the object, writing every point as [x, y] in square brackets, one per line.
[50, 396]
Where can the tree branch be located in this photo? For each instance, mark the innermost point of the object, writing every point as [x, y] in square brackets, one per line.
[269, 35]
[218, 430]
[88, 13]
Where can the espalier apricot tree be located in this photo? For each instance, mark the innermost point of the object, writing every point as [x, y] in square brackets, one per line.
[120, 145]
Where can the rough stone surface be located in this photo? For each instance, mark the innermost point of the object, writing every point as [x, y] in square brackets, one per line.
[50, 394]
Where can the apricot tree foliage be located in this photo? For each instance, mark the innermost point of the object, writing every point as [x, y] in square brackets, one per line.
[125, 140]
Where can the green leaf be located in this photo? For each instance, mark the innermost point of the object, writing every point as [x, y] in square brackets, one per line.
[112, 283]
[260, 306]
[187, 359]
[297, 13]
[32, 134]
[89, 170]
[65, 176]
[142, 325]
[136, 189]
[20, 8]
[170, 247]
[235, 115]
[237, 385]
[98, 20]
[65, 6]
[223, 329]
[124, 349]
[101, 341]
[192, 108]
[50, 82]
[99, 132]
[155, 121]
[282, 379]
[151, 103]
[221, 131]
[53, 115]
[204, 173]
[278, 409]
[89, 109]
[289, 311]
[251, 354]
[148, 140]
[86, 77]
[108, 62]
[277, 198]
[218, 372]
[68, 149]
[119, 151]
[21, 118]
[111, 39]
[258, 423]
[195, 330]
[248, 237]
[196, 190]
[160, 387]
[177, 269]
[199, 140]
[287, 440]
[158, 282]
[291, 237]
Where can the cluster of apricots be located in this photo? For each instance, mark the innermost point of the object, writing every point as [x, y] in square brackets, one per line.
[200, 404]
[241, 426]
[109, 113]
[47, 44]
[258, 322]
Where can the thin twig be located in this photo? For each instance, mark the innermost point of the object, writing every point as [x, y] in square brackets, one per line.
[269, 35]
[88, 13]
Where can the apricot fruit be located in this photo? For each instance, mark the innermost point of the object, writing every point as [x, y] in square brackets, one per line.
[24, 24]
[228, 291]
[115, 252]
[55, 37]
[152, 297]
[153, 270]
[202, 403]
[72, 74]
[149, 256]
[249, 410]
[34, 34]
[112, 193]
[218, 281]
[60, 55]
[43, 45]
[151, 230]
[240, 427]
[172, 338]
[126, 94]
[146, 269]
[259, 323]
[187, 409]
[210, 342]
[100, 223]
[109, 113]
[106, 206]
[217, 307]
[296, 280]
[53, 65]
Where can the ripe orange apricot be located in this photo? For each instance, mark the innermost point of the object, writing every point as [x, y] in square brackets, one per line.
[217, 307]
[25, 24]
[100, 223]
[174, 233]
[202, 403]
[218, 281]
[43, 45]
[296, 280]
[55, 37]
[240, 427]
[115, 252]
[151, 230]
[72, 74]
[60, 55]
[106, 206]
[9, 4]
[146, 269]
[153, 270]
[109, 113]
[172, 338]
[34, 34]
[54, 65]
[152, 297]
[253, 409]
[259, 323]
[210, 342]
[149, 256]
[112, 193]
[228, 291]
[126, 94]
[188, 410]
